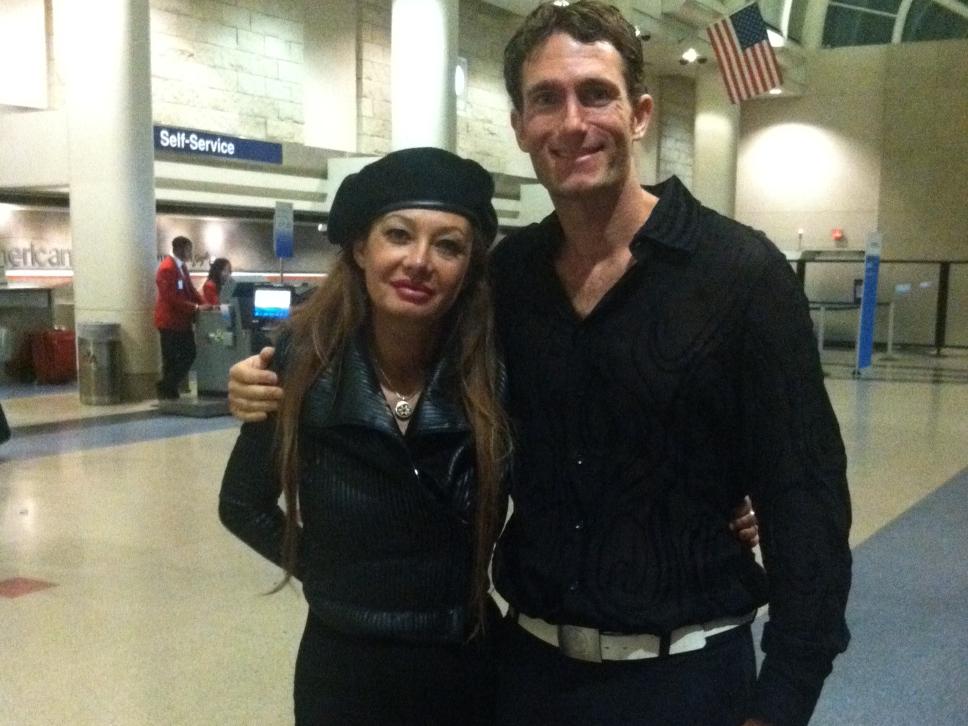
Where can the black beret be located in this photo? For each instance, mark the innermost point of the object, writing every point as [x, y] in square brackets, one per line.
[422, 178]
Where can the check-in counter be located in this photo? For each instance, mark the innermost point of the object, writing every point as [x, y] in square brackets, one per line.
[239, 328]
[221, 341]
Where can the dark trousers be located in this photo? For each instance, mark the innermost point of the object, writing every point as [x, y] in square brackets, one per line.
[4, 428]
[177, 356]
[343, 680]
[537, 685]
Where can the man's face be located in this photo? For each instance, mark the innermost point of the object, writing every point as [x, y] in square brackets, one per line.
[577, 122]
[183, 253]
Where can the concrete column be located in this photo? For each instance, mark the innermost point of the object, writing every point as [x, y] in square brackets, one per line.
[813, 23]
[423, 55]
[716, 139]
[23, 54]
[112, 199]
[647, 150]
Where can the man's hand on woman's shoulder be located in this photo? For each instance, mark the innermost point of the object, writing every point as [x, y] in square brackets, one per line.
[254, 390]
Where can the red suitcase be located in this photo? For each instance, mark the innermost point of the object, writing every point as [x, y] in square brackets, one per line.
[55, 356]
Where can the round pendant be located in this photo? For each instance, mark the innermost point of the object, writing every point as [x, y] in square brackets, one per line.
[402, 410]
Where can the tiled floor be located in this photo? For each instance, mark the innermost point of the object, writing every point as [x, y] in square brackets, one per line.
[158, 616]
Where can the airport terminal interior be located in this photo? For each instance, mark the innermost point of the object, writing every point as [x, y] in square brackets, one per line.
[124, 601]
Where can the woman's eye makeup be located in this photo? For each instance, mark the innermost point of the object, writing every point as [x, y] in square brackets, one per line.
[396, 234]
[451, 247]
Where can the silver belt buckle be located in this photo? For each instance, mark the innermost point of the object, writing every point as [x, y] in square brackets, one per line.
[686, 639]
[580, 643]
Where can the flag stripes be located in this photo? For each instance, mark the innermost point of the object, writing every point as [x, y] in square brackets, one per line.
[746, 59]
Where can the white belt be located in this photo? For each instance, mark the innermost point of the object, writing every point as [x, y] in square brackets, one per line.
[593, 645]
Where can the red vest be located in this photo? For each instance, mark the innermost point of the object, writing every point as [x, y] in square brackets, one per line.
[177, 296]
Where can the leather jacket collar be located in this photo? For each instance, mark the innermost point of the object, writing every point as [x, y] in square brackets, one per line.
[350, 395]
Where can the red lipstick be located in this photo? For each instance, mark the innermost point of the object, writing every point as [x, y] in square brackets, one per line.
[412, 292]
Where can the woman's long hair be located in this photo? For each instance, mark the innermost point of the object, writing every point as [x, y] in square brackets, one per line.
[318, 332]
[215, 272]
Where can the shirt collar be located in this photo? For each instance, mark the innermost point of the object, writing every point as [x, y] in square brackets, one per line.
[674, 222]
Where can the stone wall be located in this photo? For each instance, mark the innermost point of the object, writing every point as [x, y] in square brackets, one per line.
[483, 131]
[233, 67]
[483, 127]
[373, 77]
[676, 105]
[237, 67]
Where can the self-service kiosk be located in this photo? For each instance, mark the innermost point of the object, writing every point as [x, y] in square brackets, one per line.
[241, 326]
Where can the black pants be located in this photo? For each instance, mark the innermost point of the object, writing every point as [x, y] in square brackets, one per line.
[538, 686]
[343, 680]
[4, 428]
[177, 356]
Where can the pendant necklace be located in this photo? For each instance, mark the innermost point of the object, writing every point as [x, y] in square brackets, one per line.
[402, 409]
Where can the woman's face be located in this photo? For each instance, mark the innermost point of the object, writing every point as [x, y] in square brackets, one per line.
[227, 272]
[414, 262]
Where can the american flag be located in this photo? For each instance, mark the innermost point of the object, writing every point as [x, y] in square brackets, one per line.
[745, 56]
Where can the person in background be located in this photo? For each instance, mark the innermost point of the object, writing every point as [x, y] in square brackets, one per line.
[219, 273]
[175, 307]
[389, 448]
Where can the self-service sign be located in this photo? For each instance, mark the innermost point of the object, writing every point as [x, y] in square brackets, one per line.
[202, 143]
[282, 226]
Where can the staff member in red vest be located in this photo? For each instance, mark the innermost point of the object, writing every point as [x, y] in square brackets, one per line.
[175, 309]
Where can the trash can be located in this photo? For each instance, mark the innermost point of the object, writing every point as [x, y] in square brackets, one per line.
[99, 363]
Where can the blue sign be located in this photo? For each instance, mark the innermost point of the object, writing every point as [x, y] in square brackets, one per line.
[202, 143]
[282, 230]
[868, 303]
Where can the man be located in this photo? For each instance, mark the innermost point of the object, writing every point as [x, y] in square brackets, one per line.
[175, 308]
[661, 364]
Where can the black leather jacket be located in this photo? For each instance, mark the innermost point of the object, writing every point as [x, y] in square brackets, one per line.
[385, 548]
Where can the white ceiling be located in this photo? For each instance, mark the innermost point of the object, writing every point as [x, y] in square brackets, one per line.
[672, 27]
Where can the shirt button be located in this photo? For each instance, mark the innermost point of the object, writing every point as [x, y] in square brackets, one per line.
[573, 587]
[580, 524]
[579, 460]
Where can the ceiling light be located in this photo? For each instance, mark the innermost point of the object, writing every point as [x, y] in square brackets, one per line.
[690, 55]
[6, 213]
[460, 77]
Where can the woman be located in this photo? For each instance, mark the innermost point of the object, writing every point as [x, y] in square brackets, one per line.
[388, 448]
[219, 273]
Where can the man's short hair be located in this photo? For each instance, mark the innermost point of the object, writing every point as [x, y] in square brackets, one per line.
[180, 243]
[586, 21]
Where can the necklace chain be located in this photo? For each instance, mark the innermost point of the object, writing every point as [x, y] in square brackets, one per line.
[402, 409]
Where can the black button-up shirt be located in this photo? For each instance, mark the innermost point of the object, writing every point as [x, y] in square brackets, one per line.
[694, 381]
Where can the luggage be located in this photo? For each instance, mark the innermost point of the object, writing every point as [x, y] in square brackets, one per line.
[54, 354]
